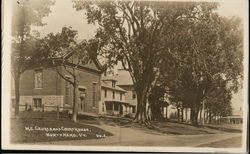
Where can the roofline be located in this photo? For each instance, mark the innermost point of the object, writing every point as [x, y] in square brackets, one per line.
[109, 80]
[125, 84]
[79, 67]
[121, 102]
[68, 55]
[113, 88]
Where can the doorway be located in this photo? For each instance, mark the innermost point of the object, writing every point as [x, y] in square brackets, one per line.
[121, 110]
[82, 104]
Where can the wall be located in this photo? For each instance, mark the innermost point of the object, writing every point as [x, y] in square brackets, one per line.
[109, 98]
[85, 79]
[50, 92]
[51, 83]
[49, 101]
[53, 90]
[128, 95]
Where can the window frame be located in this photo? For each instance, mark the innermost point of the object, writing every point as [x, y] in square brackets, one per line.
[36, 78]
[105, 93]
[37, 102]
[113, 94]
[120, 96]
[133, 95]
[94, 94]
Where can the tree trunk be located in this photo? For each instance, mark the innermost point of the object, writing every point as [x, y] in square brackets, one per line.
[75, 100]
[182, 114]
[178, 114]
[166, 112]
[17, 94]
[141, 116]
[194, 115]
[149, 113]
[201, 116]
[210, 117]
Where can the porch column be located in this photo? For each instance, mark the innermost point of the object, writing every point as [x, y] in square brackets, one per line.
[113, 106]
[186, 118]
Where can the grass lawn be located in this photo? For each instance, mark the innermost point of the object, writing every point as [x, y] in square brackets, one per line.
[37, 129]
[33, 127]
[167, 127]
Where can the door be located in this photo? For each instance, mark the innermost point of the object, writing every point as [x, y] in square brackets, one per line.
[82, 104]
[82, 93]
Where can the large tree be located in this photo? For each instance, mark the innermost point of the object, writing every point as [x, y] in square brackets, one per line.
[132, 32]
[26, 13]
[157, 101]
[207, 47]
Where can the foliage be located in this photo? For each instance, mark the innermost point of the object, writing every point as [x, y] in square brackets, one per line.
[133, 33]
[26, 13]
[218, 99]
[182, 46]
[207, 47]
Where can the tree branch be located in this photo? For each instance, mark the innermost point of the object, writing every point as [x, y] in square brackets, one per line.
[62, 76]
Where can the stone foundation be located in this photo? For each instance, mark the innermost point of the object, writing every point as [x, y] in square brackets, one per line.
[49, 101]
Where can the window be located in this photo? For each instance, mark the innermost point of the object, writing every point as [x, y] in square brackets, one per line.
[102, 107]
[109, 106]
[133, 109]
[113, 94]
[105, 93]
[94, 94]
[38, 79]
[113, 83]
[133, 95]
[116, 107]
[121, 96]
[67, 92]
[37, 102]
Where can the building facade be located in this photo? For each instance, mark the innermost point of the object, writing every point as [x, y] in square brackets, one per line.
[126, 83]
[43, 87]
[113, 98]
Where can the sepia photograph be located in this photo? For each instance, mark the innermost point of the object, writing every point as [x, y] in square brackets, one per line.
[125, 75]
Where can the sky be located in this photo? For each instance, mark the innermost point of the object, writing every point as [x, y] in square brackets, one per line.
[63, 14]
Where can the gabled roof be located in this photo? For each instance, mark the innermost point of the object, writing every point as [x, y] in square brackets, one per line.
[109, 78]
[124, 78]
[105, 84]
[86, 66]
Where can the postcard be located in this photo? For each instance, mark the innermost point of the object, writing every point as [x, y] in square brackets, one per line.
[147, 76]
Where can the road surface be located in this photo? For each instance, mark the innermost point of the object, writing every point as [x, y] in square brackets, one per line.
[135, 137]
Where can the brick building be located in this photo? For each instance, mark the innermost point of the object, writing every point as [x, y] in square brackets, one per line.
[44, 86]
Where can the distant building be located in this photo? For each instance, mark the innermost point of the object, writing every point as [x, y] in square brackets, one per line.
[113, 99]
[235, 118]
[126, 83]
